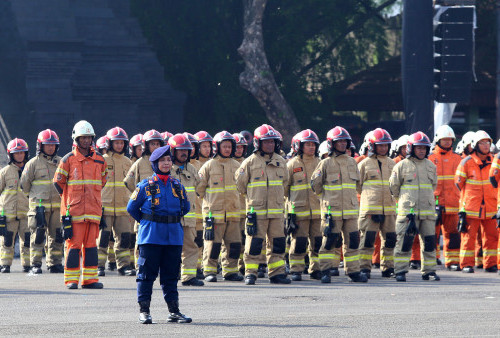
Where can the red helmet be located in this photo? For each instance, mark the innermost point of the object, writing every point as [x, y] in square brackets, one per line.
[47, 136]
[294, 145]
[265, 132]
[337, 134]
[378, 136]
[223, 136]
[135, 141]
[17, 145]
[194, 143]
[116, 134]
[241, 141]
[102, 143]
[417, 139]
[149, 136]
[180, 141]
[203, 136]
[304, 136]
[166, 135]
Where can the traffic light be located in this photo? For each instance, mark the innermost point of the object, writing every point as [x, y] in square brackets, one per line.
[453, 53]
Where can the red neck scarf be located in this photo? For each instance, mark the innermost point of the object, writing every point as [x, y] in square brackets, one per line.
[164, 178]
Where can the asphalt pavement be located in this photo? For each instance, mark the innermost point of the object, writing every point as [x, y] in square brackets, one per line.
[458, 305]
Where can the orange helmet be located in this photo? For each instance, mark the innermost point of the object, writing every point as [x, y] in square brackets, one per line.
[378, 136]
[223, 136]
[17, 145]
[417, 139]
[46, 136]
[149, 136]
[265, 132]
[337, 134]
[306, 135]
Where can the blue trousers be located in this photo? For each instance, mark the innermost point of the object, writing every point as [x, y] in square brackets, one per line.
[163, 258]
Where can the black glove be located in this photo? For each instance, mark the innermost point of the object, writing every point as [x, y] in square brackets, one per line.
[41, 222]
[291, 225]
[378, 218]
[330, 225]
[102, 223]
[411, 230]
[3, 225]
[462, 223]
[251, 223]
[67, 227]
[440, 210]
[209, 229]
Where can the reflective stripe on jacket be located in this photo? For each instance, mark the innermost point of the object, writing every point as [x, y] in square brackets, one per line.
[477, 195]
[217, 188]
[412, 183]
[115, 194]
[446, 163]
[376, 197]
[262, 180]
[335, 181]
[36, 181]
[189, 179]
[13, 201]
[80, 179]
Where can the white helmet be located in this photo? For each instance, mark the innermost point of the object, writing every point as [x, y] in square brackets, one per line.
[478, 136]
[460, 147]
[467, 138]
[498, 144]
[364, 148]
[443, 132]
[82, 128]
[323, 148]
[402, 141]
[394, 148]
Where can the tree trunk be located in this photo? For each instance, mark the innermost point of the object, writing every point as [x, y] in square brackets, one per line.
[257, 77]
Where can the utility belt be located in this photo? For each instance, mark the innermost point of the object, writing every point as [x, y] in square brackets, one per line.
[161, 219]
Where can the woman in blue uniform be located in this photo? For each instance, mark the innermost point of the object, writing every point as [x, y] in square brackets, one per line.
[158, 203]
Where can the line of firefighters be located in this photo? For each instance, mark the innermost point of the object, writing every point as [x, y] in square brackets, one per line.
[318, 205]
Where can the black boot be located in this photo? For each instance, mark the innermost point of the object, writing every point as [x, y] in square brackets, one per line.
[36, 269]
[261, 271]
[144, 316]
[335, 272]
[366, 272]
[26, 268]
[326, 276]
[315, 275]
[296, 276]
[401, 277]
[388, 273]
[199, 274]
[279, 279]
[175, 316]
[100, 271]
[357, 277]
[6, 269]
[431, 276]
[112, 266]
[126, 271]
[58, 268]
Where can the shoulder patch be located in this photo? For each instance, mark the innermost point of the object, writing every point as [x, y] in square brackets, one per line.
[135, 193]
[298, 170]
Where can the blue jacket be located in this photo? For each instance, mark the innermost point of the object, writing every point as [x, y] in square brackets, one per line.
[140, 203]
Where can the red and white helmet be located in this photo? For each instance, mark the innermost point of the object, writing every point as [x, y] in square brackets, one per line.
[47, 136]
[265, 132]
[115, 134]
[102, 143]
[203, 136]
[166, 135]
[180, 142]
[336, 134]
[149, 136]
[135, 141]
[304, 136]
[294, 146]
[17, 145]
[378, 136]
[219, 138]
[241, 141]
[417, 139]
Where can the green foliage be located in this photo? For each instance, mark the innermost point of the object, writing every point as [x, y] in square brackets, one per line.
[197, 43]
